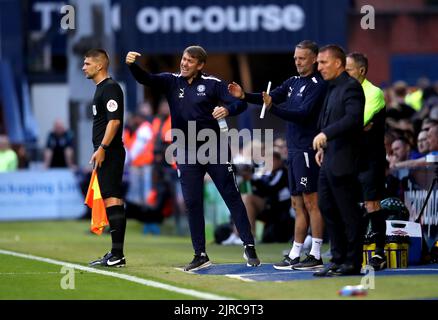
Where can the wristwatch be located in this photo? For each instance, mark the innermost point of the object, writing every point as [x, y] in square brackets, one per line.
[104, 146]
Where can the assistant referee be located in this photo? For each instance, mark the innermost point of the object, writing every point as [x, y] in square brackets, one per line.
[109, 154]
[373, 159]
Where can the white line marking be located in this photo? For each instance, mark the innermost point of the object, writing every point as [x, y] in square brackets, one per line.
[150, 283]
[239, 277]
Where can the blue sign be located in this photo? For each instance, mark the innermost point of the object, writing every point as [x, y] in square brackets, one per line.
[38, 195]
[157, 26]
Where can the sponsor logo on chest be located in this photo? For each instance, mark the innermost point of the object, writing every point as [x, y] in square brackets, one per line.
[200, 90]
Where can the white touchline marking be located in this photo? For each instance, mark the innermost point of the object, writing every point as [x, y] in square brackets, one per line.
[150, 283]
[239, 277]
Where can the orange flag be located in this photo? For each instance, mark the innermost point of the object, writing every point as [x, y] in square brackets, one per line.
[94, 200]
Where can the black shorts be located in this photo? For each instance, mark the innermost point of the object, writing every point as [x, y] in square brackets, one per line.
[110, 174]
[372, 181]
[303, 172]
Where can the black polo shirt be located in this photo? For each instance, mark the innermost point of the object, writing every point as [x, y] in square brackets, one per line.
[107, 105]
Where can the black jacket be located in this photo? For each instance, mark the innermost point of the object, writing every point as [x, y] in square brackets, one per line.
[341, 120]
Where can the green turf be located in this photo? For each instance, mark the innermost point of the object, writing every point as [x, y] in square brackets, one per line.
[27, 279]
[155, 258]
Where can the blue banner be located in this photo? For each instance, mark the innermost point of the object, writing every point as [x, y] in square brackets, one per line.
[157, 26]
[39, 195]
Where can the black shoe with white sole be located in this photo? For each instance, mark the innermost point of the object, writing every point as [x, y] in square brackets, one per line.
[199, 261]
[287, 263]
[250, 255]
[378, 262]
[109, 260]
[309, 263]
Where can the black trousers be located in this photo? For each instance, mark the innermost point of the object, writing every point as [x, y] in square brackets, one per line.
[192, 185]
[339, 205]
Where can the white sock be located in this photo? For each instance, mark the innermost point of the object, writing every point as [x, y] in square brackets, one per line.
[296, 250]
[316, 248]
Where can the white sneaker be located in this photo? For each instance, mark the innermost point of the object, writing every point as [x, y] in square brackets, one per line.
[233, 239]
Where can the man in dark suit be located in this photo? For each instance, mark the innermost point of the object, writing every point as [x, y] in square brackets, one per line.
[338, 145]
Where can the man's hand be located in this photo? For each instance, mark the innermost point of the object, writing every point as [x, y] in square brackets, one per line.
[97, 158]
[220, 112]
[320, 141]
[131, 56]
[319, 157]
[236, 90]
[267, 100]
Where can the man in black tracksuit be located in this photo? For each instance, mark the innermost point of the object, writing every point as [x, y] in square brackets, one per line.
[193, 99]
[298, 100]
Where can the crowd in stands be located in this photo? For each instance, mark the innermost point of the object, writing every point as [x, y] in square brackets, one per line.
[411, 123]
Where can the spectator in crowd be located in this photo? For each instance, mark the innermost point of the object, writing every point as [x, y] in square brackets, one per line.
[8, 157]
[431, 141]
[59, 147]
[133, 122]
[158, 203]
[428, 123]
[269, 201]
[415, 97]
[280, 145]
[397, 108]
[161, 126]
[389, 138]
[432, 138]
[401, 151]
[422, 143]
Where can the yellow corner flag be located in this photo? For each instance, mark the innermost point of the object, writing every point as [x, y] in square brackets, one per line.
[94, 200]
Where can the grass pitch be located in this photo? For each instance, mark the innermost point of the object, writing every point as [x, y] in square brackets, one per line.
[156, 258]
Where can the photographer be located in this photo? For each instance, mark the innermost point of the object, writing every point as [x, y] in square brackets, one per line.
[268, 200]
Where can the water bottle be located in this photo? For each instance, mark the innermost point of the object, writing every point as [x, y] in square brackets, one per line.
[223, 125]
[353, 291]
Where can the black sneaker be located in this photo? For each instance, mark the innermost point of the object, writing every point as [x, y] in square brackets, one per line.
[287, 263]
[327, 270]
[377, 262]
[309, 263]
[345, 270]
[109, 260]
[199, 261]
[250, 255]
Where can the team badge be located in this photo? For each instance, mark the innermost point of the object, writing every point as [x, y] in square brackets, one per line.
[201, 90]
[112, 105]
[304, 181]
